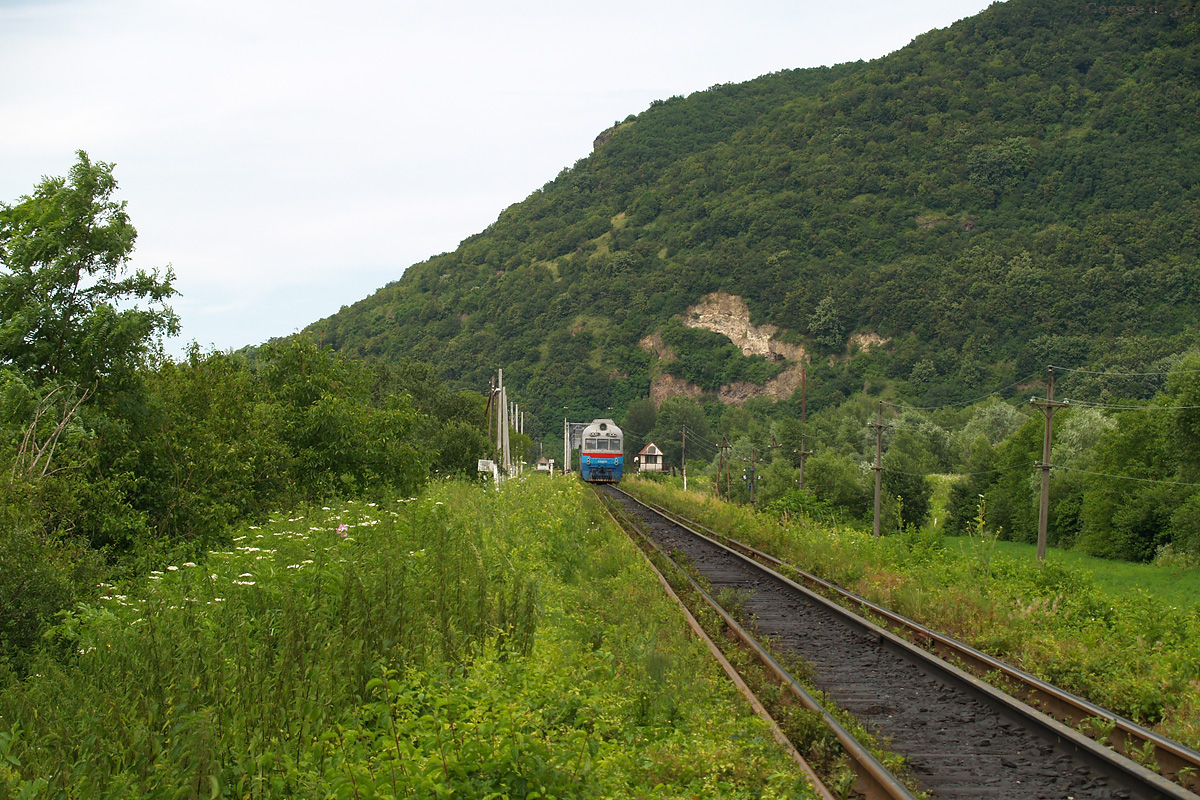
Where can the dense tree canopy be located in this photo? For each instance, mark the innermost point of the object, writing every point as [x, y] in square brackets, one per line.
[68, 308]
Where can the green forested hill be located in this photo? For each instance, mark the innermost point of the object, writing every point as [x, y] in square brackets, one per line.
[1019, 189]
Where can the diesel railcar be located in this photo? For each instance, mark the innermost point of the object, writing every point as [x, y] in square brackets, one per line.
[600, 454]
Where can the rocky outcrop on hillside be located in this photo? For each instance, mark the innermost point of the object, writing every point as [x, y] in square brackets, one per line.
[728, 315]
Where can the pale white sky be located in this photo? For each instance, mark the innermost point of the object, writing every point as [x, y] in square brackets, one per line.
[289, 158]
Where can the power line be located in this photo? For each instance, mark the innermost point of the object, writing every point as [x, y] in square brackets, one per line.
[700, 438]
[964, 403]
[1090, 404]
[959, 474]
[934, 424]
[1127, 374]
[1129, 478]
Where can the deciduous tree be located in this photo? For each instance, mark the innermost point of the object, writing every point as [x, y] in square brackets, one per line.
[70, 310]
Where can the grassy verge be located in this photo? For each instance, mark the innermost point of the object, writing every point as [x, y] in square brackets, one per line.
[1170, 585]
[1124, 648]
[504, 644]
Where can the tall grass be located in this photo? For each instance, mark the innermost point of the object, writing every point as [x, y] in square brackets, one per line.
[253, 655]
[1164, 582]
[462, 642]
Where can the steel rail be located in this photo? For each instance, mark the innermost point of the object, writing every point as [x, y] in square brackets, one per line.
[1133, 775]
[875, 781]
[818, 785]
[1176, 762]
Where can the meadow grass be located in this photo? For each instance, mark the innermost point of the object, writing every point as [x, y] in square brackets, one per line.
[1171, 585]
[470, 643]
[1118, 639]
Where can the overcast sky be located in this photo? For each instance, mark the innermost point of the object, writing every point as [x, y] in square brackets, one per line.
[289, 158]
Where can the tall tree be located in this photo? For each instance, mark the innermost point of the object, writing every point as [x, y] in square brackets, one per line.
[637, 425]
[69, 308]
[675, 414]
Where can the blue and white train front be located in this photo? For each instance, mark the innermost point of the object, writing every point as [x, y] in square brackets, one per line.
[601, 456]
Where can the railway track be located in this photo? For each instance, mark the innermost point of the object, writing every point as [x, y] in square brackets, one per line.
[961, 737]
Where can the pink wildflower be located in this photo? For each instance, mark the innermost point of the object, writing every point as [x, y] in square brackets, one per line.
[342, 529]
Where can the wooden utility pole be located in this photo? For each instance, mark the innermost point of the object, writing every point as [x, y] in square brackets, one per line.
[803, 394]
[878, 426]
[751, 477]
[1048, 407]
[804, 453]
[728, 453]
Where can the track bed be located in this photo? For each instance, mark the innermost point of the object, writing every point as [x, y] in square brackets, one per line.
[957, 744]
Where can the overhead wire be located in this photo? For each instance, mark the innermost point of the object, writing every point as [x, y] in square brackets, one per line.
[1128, 477]
[1125, 374]
[963, 403]
[1090, 404]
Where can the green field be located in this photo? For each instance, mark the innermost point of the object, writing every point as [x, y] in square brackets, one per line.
[1175, 586]
[464, 643]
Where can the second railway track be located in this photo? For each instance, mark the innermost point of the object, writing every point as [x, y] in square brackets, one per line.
[961, 737]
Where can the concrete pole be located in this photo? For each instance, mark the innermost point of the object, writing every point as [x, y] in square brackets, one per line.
[500, 414]
[507, 456]
[683, 457]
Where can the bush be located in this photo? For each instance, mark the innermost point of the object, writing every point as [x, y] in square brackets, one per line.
[40, 576]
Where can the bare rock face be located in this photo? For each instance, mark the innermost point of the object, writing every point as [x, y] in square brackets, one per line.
[729, 316]
[664, 386]
[866, 341]
[604, 137]
[654, 344]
